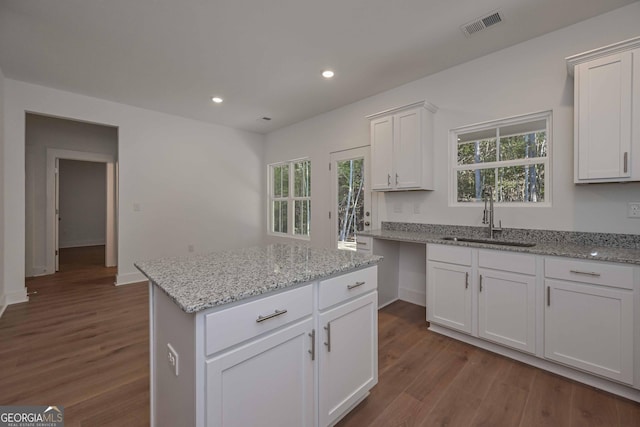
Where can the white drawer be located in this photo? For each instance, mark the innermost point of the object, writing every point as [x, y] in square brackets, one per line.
[613, 275]
[507, 261]
[346, 286]
[364, 244]
[449, 254]
[237, 324]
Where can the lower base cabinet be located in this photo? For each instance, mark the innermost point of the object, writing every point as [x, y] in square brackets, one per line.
[449, 295]
[348, 356]
[591, 328]
[506, 309]
[268, 382]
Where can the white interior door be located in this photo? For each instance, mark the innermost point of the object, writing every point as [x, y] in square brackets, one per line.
[350, 196]
[57, 215]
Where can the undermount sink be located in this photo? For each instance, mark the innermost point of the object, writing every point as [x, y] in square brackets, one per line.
[490, 241]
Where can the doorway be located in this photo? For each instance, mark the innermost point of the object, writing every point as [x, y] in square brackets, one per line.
[81, 198]
[78, 203]
[49, 141]
[350, 196]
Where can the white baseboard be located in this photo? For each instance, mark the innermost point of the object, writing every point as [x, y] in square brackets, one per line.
[583, 377]
[128, 278]
[82, 243]
[412, 296]
[38, 270]
[15, 297]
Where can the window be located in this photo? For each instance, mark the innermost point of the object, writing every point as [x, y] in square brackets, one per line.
[290, 198]
[509, 155]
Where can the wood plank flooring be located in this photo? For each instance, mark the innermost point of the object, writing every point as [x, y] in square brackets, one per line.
[82, 343]
[429, 380]
[79, 342]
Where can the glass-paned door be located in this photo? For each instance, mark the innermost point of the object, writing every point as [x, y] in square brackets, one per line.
[350, 196]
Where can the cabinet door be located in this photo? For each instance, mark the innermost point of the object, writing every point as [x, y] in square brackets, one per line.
[348, 352]
[449, 295]
[591, 328]
[381, 153]
[604, 117]
[506, 309]
[267, 382]
[407, 149]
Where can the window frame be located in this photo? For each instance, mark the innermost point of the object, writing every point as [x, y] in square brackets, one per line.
[495, 125]
[291, 200]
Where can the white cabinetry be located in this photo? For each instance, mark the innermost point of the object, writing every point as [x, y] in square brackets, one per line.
[267, 382]
[449, 287]
[504, 294]
[402, 148]
[348, 361]
[607, 113]
[589, 317]
[347, 342]
[265, 362]
[506, 299]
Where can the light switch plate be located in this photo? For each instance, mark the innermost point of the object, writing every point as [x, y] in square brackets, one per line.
[633, 210]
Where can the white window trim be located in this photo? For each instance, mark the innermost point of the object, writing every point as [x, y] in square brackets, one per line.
[547, 162]
[290, 199]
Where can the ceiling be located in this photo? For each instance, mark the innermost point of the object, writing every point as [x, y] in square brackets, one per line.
[264, 57]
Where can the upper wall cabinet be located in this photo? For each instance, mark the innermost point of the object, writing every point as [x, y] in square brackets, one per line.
[402, 148]
[607, 113]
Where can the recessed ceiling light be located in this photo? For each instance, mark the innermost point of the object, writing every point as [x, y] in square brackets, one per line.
[216, 99]
[327, 74]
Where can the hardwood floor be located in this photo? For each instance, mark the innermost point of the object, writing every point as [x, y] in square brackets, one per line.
[429, 380]
[82, 343]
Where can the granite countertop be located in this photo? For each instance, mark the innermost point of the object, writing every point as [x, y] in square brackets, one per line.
[199, 282]
[621, 248]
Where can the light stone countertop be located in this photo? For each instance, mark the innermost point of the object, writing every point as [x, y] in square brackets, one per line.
[199, 282]
[548, 243]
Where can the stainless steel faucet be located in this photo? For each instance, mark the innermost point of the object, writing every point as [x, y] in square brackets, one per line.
[488, 214]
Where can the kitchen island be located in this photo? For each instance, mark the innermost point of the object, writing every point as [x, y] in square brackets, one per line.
[279, 335]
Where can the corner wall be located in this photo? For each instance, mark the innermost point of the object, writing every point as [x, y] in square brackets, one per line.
[529, 77]
[3, 302]
[181, 182]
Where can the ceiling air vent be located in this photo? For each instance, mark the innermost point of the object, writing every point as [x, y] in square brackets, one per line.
[481, 23]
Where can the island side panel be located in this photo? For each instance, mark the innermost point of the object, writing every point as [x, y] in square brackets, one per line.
[175, 397]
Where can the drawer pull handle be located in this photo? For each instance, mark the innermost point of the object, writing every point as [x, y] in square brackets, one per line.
[355, 285]
[481, 283]
[312, 352]
[328, 343]
[466, 280]
[588, 273]
[270, 316]
[626, 161]
[361, 243]
[388, 179]
[548, 296]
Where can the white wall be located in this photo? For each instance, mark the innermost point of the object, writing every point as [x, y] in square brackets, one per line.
[191, 182]
[83, 203]
[2, 101]
[528, 77]
[41, 134]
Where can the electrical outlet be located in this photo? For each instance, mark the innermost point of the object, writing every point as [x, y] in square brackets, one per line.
[190, 248]
[136, 207]
[397, 207]
[416, 208]
[633, 210]
[172, 358]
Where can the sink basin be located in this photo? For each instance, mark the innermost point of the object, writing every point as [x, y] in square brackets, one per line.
[490, 241]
